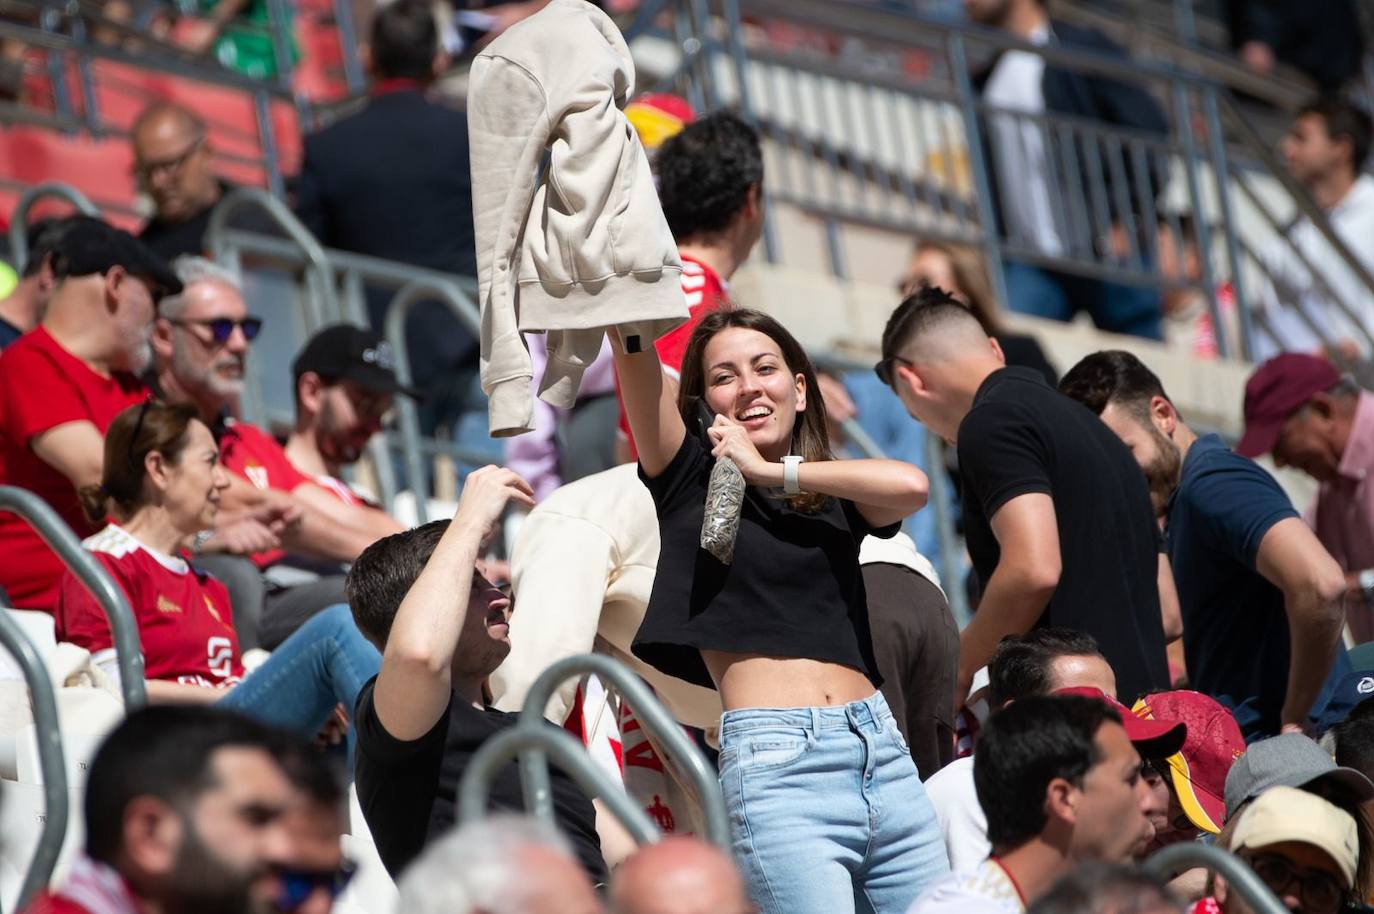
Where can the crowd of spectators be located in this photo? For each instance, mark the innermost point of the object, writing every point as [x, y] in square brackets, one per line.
[298, 640]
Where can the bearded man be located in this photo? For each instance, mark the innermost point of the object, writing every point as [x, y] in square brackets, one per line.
[1258, 591]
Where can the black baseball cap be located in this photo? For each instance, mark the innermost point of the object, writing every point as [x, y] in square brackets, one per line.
[342, 351]
[92, 246]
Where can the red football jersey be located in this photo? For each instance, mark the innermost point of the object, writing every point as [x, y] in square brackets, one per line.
[43, 386]
[256, 456]
[184, 617]
[705, 293]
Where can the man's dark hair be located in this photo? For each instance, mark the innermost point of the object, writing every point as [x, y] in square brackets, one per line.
[1354, 738]
[705, 173]
[163, 751]
[1344, 120]
[1108, 888]
[1024, 747]
[1112, 376]
[1021, 665]
[405, 39]
[382, 576]
[923, 310]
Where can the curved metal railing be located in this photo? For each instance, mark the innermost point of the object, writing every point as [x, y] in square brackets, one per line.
[1239, 877]
[407, 414]
[19, 219]
[570, 755]
[323, 304]
[56, 804]
[534, 741]
[123, 626]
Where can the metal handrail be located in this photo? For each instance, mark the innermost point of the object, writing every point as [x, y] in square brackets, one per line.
[19, 220]
[123, 625]
[571, 756]
[657, 722]
[253, 197]
[890, 27]
[1214, 152]
[176, 62]
[1321, 333]
[1241, 878]
[1226, 68]
[394, 329]
[1301, 197]
[56, 801]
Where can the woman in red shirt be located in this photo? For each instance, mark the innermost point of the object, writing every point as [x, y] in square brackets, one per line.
[161, 486]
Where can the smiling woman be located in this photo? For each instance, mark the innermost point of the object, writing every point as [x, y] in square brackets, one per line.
[161, 483]
[782, 632]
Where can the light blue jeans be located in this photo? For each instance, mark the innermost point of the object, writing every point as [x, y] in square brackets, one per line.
[325, 662]
[827, 813]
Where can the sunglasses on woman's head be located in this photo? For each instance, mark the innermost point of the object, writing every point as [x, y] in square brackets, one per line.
[138, 427]
[221, 328]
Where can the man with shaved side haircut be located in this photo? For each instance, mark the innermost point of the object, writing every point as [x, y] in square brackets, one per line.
[1057, 515]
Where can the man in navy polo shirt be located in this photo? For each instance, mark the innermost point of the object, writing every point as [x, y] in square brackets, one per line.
[1261, 597]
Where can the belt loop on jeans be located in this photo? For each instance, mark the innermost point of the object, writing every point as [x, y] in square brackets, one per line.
[815, 733]
[859, 714]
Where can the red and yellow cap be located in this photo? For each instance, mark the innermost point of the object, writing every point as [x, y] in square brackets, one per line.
[1198, 770]
[656, 116]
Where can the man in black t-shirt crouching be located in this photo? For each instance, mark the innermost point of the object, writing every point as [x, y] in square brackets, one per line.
[442, 629]
[1057, 515]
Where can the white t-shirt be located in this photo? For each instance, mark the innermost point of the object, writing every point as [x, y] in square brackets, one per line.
[1020, 159]
[985, 889]
[1294, 289]
[962, 821]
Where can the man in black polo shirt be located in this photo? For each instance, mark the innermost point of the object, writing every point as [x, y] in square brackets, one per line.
[442, 629]
[1261, 596]
[1056, 514]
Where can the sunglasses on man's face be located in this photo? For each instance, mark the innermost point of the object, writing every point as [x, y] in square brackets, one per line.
[221, 328]
[298, 885]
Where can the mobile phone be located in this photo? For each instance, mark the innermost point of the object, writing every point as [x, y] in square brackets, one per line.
[706, 418]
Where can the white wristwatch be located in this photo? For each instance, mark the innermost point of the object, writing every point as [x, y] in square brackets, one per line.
[790, 483]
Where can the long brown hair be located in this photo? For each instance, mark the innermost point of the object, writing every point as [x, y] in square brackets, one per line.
[132, 436]
[810, 439]
[971, 276]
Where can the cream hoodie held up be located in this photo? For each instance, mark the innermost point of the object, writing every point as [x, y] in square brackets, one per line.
[584, 248]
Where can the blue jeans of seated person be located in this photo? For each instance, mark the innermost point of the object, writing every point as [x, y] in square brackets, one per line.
[323, 664]
[827, 812]
[1114, 307]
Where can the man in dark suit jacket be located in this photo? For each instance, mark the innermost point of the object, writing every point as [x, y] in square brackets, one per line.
[393, 181]
[1057, 198]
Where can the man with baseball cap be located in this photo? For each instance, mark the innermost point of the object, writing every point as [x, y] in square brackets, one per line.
[345, 384]
[1302, 410]
[1293, 760]
[64, 382]
[1194, 778]
[1153, 737]
[1302, 847]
